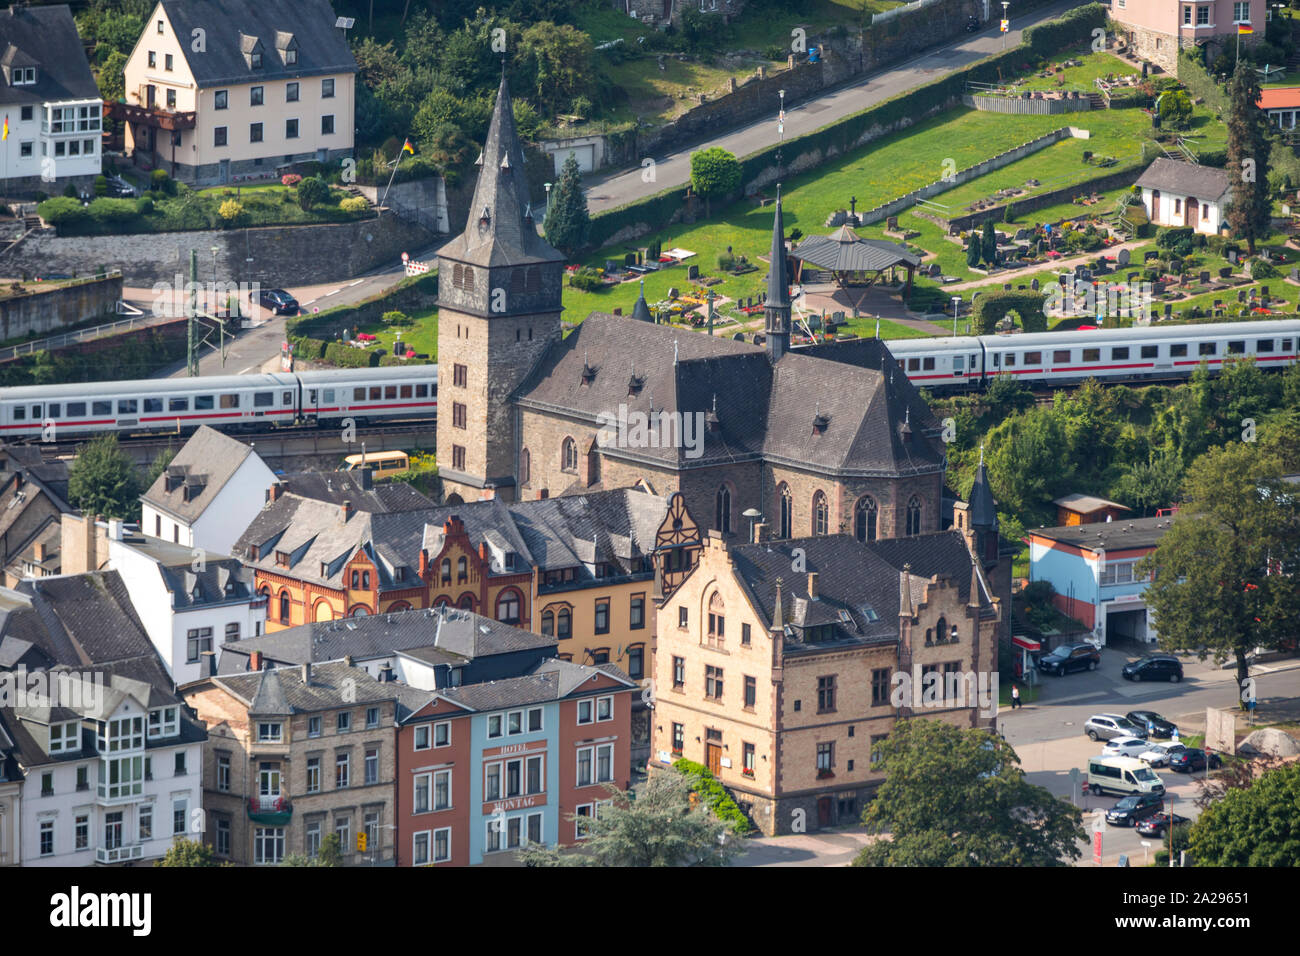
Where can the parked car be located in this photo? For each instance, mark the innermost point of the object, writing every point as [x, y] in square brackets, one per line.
[1157, 825]
[1156, 725]
[1109, 726]
[1192, 758]
[1124, 747]
[1157, 667]
[120, 188]
[1070, 657]
[1158, 755]
[1136, 806]
[277, 300]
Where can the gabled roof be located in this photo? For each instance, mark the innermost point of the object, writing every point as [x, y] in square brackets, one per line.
[1185, 179]
[551, 679]
[222, 579]
[80, 620]
[281, 691]
[45, 37]
[207, 461]
[340, 486]
[237, 27]
[1280, 98]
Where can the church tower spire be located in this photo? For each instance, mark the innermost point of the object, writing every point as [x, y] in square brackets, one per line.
[499, 304]
[776, 307]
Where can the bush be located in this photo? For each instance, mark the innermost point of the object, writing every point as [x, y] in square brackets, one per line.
[312, 191]
[1169, 238]
[144, 205]
[113, 211]
[726, 261]
[1259, 269]
[62, 211]
[101, 185]
[345, 356]
[230, 211]
[714, 794]
[354, 204]
[290, 179]
[308, 348]
[161, 182]
[587, 279]
[70, 192]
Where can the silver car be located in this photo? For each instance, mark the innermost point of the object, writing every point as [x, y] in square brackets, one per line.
[1109, 726]
[1157, 755]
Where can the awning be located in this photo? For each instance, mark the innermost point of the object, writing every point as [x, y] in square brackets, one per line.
[1028, 643]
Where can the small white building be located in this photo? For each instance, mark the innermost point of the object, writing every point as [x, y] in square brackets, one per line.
[1187, 195]
[208, 495]
[49, 100]
[190, 605]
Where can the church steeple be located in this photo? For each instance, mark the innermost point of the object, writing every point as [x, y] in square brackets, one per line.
[641, 311]
[776, 308]
[983, 512]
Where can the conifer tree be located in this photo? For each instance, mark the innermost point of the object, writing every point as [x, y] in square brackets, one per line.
[567, 222]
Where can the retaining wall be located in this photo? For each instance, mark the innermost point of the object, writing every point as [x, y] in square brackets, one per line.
[1027, 107]
[45, 310]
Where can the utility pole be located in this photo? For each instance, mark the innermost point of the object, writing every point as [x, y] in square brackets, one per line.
[191, 345]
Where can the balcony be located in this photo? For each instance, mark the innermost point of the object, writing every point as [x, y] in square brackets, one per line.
[270, 811]
[155, 116]
[119, 854]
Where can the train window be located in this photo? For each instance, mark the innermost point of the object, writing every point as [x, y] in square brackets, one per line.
[36, 413]
[127, 406]
[1091, 355]
[101, 408]
[76, 408]
[914, 365]
[406, 391]
[1061, 356]
[1177, 351]
[958, 363]
[54, 410]
[1286, 345]
[928, 364]
[178, 404]
[902, 363]
[287, 398]
[375, 393]
[230, 400]
[1033, 358]
[422, 391]
[327, 395]
[311, 396]
[1119, 353]
[20, 413]
[203, 403]
[997, 359]
[390, 391]
[1011, 358]
[1207, 348]
[358, 395]
[1237, 348]
[1264, 345]
[153, 404]
[1150, 351]
[263, 399]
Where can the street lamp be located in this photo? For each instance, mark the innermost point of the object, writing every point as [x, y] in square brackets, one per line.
[780, 130]
[956, 301]
[753, 514]
[1005, 25]
[215, 249]
[548, 199]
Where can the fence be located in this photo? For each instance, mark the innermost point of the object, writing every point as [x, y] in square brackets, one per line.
[83, 335]
[1027, 107]
[905, 8]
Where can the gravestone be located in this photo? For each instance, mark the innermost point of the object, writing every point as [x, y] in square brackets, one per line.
[1123, 258]
[1149, 255]
[1263, 290]
[673, 292]
[1169, 310]
[1006, 287]
[1295, 275]
[1205, 277]
[1033, 284]
[692, 272]
[1225, 272]
[935, 270]
[892, 223]
[1231, 256]
[1241, 295]
[1024, 234]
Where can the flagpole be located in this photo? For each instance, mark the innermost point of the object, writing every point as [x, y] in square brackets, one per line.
[397, 162]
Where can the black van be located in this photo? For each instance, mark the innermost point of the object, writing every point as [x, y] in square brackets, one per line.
[1157, 667]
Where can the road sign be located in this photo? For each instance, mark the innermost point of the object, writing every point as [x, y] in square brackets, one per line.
[1096, 848]
[1005, 26]
[361, 842]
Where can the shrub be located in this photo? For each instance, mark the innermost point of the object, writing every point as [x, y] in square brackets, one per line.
[101, 185]
[587, 279]
[714, 794]
[354, 204]
[308, 348]
[163, 183]
[62, 211]
[312, 191]
[1259, 269]
[112, 211]
[230, 210]
[290, 179]
[144, 205]
[70, 191]
[345, 356]
[1168, 238]
[395, 317]
[726, 261]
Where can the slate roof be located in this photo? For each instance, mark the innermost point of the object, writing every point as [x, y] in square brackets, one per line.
[45, 37]
[509, 236]
[448, 633]
[845, 251]
[1110, 535]
[235, 27]
[983, 511]
[80, 619]
[551, 679]
[222, 580]
[762, 410]
[778, 275]
[941, 552]
[340, 486]
[1185, 179]
[281, 691]
[208, 455]
[641, 311]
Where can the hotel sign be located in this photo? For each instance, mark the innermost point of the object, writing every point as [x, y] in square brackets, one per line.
[517, 803]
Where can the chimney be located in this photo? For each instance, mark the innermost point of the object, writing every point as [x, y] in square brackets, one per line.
[208, 665]
[39, 549]
[347, 660]
[255, 661]
[483, 550]
[760, 531]
[346, 510]
[275, 491]
[115, 529]
[306, 673]
[812, 585]
[367, 478]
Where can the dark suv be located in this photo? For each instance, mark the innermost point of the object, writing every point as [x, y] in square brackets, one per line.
[1070, 657]
[1157, 667]
[1156, 725]
[1135, 807]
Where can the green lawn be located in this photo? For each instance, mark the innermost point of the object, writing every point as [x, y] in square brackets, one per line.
[421, 335]
[1078, 77]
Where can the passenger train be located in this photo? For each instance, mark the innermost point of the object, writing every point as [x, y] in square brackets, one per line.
[233, 402]
[1108, 355]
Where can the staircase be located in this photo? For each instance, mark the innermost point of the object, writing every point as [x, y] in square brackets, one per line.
[1098, 101]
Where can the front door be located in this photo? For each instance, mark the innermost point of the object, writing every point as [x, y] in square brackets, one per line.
[1155, 205]
[225, 171]
[823, 811]
[713, 757]
[1191, 213]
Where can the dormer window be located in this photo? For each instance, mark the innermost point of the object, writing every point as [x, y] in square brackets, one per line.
[287, 47]
[255, 61]
[21, 75]
[290, 57]
[196, 594]
[282, 559]
[164, 722]
[820, 422]
[65, 737]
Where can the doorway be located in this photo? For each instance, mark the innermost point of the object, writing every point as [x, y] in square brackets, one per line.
[823, 811]
[1155, 205]
[1191, 213]
[713, 758]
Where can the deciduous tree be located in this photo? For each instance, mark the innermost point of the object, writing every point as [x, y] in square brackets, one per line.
[102, 480]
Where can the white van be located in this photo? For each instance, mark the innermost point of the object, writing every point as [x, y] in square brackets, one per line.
[1123, 775]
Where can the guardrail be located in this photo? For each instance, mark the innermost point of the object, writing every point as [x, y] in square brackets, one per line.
[83, 335]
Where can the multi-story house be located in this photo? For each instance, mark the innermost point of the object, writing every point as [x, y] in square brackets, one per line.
[217, 89]
[776, 664]
[295, 754]
[33, 499]
[189, 606]
[11, 779]
[49, 100]
[208, 494]
[485, 769]
[110, 769]
[1157, 30]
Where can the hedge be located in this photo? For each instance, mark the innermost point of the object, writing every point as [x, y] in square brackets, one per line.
[991, 307]
[843, 136]
[412, 294]
[345, 356]
[715, 795]
[1193, 75]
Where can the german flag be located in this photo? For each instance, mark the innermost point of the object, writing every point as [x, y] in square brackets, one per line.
[408, 148]
[1244, 28]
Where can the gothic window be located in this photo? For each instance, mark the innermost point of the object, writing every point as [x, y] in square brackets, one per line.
[593, 465]
[787, 511]
[548, 623]
[525, 466]
[508, 607]
[534, 281]
[821, 514]
[284, 606]
[516, 280]
[723, 522]
[941, 632]
[569, 455]
[458, 276]
[864, 519]
[914, 516]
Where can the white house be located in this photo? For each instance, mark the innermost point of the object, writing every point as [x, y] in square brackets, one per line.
[208, 495]
[49, 100]
[1185, 194]
[190, 605]
[111, 769]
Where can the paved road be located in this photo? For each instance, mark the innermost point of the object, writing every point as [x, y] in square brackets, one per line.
[608, 190]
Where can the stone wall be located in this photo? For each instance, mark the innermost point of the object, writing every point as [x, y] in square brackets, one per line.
[1030, 203]
[282, 255]
[1032, 107]
[422, 201]
[43, 310]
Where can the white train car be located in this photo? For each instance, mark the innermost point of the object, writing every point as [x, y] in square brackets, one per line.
[369, 394]
[223, 401]
[941, 363]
